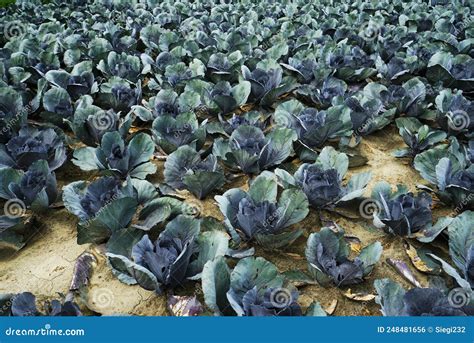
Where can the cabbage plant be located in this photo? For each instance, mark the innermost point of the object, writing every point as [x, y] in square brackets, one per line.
[12, 113]
[251, 151]
[185, 169]
[172, 132]
[33, 144]
[36, 188]
[449, 168]
[90, 122]
[322, 181]
[109, 209]
[394, 300]
[261, 215]
[179, 254]
[254, 287]
[313, 127]
[403, 213]
[417, 136]
[327, 254]
[119, 157]
[24, 305]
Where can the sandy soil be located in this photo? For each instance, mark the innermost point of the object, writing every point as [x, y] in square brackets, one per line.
[45, 266]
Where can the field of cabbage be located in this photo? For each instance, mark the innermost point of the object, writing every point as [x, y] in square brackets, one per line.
[264, 158]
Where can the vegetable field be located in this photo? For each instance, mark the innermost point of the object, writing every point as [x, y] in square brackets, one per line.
[261, 158]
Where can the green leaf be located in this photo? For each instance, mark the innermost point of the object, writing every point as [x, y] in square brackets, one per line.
[145, 190]
[211, 244]
[143, 276]
[315, 310]
[298, 277]
[461, 238]
[141, 171]
[241, 92]
[285, 178]
[443, 171]
[452, 272]
[215, 284]
[389, 297]
[404, 152]
[429, 234]
[122, 241]
[293, 207]
[263, 188]
[141, 149]
[278, 241]
[331, 159]
[370, 255]
[202, 183]
[153, 214]
[356, 186]
[86, 159]
[253, 272]
[111, 218]
[8, 176]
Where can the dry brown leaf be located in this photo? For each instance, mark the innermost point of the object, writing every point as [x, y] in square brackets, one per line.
[135, 129]
[354, 243]
[247, 108]
[359, 296]
[415, 259]
[294, 256]
[355, 247]
[331, 308]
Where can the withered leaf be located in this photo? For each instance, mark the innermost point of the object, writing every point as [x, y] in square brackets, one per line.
[331, 308]
[359, 296]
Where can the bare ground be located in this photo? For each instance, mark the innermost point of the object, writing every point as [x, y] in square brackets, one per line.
[45, 266]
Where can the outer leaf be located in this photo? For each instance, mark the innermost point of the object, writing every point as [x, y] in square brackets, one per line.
[278, 241]
[211, 245]
[331, 159]
[370, 255]
[293, 207]
[215, 284]
[263, 188]
[452, 272]
[389, 297]
[461, 238]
